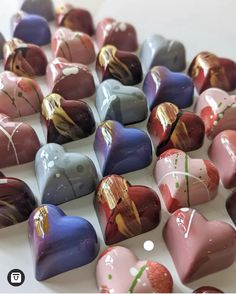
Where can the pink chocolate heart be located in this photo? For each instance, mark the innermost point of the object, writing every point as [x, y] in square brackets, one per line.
[183, 181]
[119, 271]
[217, 109]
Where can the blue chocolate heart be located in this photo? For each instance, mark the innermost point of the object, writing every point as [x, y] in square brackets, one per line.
[161, 85]
[31, 28]
[121, 150]
[59, 242]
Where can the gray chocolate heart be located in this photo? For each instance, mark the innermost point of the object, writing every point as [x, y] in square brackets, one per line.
[2, 41]
[44, 8]
[125, 104]
[63, 176]
[157, 50]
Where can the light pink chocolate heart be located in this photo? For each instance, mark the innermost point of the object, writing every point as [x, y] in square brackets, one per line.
[19, 96]
[183, 181]
[199, 247]
[223, 153]
[217, 109]
[119, 271]
[73, 46]
[72, 81]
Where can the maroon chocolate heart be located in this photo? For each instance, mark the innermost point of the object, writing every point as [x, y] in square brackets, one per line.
[19, 142]
[119, 65]
[17, 201]
[170, 127]
[231, 206]
[73, 81]
[66, 120]
[199, 247]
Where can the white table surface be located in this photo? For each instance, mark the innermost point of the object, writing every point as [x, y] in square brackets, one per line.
[201, 25]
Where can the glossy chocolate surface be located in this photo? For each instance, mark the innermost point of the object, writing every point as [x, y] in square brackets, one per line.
[210, 71]
[76, 19]
[170, 127]
[157, 50]
[183, 181]
[118, 264]
[199, 247]
[19, 96]
[43, 8]
[222, 152]
[125, 104]
[17, 201]
[73, 46]
[24, 59]
[119, 65]
[19, 142]
[125, 211]
[2, 41]
[231, 206]
[73, 81]
[207, 289]
[121, 150]
[31, 28]
[60, 243]
[66, 120]
[161, 85]
[217, 109]
[63, 176]
[122, 35]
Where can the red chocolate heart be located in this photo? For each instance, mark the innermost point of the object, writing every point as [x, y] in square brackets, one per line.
[223, 153]
[73, 46]
[183, 181]
[24, 59]
[76, 19]
[125, 211]
[119, 34]
[66, 120]
[119, 65]
[119, 271]
[207, 71]
[199, 247]
[73, 81]
[19, 96]
[170, 127]
[19, 142]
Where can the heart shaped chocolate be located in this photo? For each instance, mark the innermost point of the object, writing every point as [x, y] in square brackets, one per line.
[76, 19]
[43, 8]
[183, 181]
[161, 85]
[170, 127]
[223, 153]
[119, 65]
[122, 35]
[199, 247]
[125, 104]
[125, 211]
[73, 46]
[2, 41]
[118, 264]
[19, 96]
[217, 109]
[63, 176]
[24, 59]
[121, 150]
[60, 243]
[231, 205]
[31, 28]
[17, 201]
[66, 120]
[19, 142]
[73, 81]
[209, 71]
[207, 289]
[157, 50]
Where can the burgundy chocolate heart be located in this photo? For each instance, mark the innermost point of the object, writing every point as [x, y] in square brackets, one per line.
[19, 142]
[231, 206]
[199, 247]
[73, 81]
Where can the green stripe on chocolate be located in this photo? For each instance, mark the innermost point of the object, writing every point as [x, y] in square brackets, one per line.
[137, 277]
[186, 179]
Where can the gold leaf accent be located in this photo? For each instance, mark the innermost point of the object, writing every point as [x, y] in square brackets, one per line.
[41, 222]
